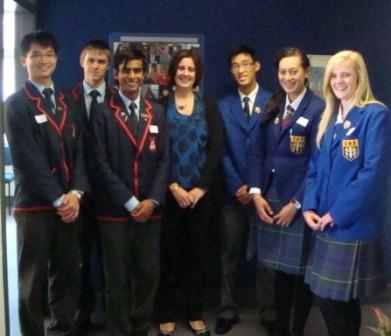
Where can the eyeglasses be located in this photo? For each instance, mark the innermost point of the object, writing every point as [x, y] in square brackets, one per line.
[43, 56]
[136, 71]
[245, 66]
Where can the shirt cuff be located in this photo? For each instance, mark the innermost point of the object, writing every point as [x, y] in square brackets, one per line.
[255, 191]
[57, 203]
[131, 204]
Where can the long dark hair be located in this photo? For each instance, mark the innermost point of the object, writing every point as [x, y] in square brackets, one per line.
[275, 101]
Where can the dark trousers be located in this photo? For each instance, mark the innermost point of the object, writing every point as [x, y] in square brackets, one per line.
[48, 251]
[234, 234]
[293, 301]
[183, 260]
[92, 281]
[342, 318]
[131, 266]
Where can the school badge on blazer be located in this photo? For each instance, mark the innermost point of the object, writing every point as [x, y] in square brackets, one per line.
[350, 149]
[297, 144]
[152, 144]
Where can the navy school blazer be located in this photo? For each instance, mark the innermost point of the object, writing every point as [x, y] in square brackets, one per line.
[284, 154]
[46, 149]
[348, 174]
[125, 164]
[240, 136]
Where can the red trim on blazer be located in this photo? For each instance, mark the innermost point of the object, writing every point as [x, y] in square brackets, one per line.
[74, 92]
[61, 101]
[34, 208]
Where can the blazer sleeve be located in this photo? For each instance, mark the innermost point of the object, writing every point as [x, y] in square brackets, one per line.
[80, 176]
[351, 203]
[27, 155]
[256, 160]
[214, 145]
[298, 196]
[310, 197]
[159, 186]
[116, 189]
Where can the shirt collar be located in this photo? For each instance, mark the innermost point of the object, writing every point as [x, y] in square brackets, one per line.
[127, 101]
[40, 87]
[251, 96]
[88, 88]
[295, 104]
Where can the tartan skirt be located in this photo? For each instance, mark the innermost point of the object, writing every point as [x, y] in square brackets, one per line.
[279, 248]
[345, 270]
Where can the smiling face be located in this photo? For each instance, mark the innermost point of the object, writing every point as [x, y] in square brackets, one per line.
[40, 62]
[244, 70]
[130, 77]
[185, 74]
[95, 63]
[344, 80]
[292, 76]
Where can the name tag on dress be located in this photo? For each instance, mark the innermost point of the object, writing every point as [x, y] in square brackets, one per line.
[153, 129]
[41, 118]
[302, 121]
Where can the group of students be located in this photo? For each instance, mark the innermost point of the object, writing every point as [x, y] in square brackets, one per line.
[107, 170]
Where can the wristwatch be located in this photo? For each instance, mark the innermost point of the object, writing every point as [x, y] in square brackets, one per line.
[296, 203]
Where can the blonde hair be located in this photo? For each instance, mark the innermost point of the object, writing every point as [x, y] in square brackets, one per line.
[360, 98]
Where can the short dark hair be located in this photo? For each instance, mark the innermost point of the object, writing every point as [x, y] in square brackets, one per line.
[129, 55]
[41, 38]
[96, 44]
[179, 56]
[242, 49]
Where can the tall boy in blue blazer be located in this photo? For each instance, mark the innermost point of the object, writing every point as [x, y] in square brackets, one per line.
[242, 113]
[44, 139]
[130, 157]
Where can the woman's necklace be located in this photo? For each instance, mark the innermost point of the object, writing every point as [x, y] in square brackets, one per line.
[181, 107]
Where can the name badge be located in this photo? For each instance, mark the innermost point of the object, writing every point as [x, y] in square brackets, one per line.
[351, 131]
[41, 118]
[302, 121]
[153, 129]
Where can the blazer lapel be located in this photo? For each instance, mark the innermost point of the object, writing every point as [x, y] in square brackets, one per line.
[238, 113]
[145, 121]
[35, 96]
[349, 123]
[298, 113]
[120, 115]
[257, 112]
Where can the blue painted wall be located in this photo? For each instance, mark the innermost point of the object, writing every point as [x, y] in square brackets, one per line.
[316, 26]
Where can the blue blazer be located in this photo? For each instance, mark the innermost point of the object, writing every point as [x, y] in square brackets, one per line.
[349, 171]
[46, 149]
[285, 154]
[240, 136]
[128, 163]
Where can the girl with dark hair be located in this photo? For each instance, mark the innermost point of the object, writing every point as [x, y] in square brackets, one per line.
[196, 135]
[279, 237]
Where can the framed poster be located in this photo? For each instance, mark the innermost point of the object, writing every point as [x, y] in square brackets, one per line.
[318, 65]
[158, 50]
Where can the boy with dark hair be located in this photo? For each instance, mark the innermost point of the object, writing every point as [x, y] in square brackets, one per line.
[95, 60]
[44, 139]
[242, 113]
[130, 156]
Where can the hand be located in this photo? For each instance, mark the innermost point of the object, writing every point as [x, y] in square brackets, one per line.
[143, 211]
[286, 215]
[69, 209]
[263, 209]
[183, 198]
[196, 194]
[312, 219]
[242, 195]
[325, 221]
